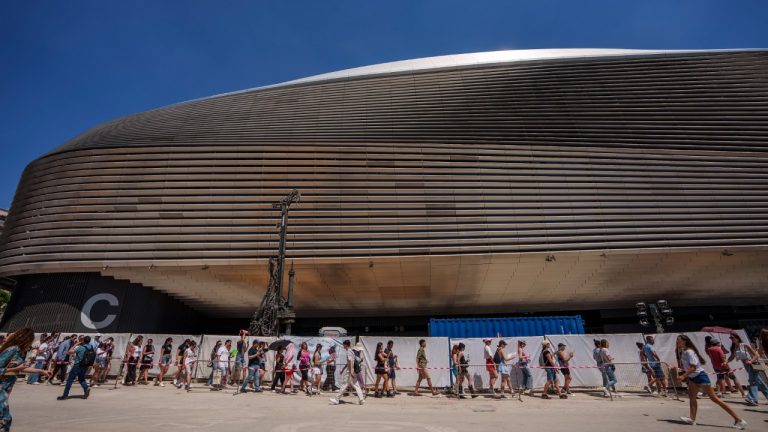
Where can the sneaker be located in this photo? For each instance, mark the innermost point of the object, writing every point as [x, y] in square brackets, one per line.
[360, 402]
[563, 396]
[545, 396]
[62, 398]
[688, 421]
[334, 401]
[569, 393]
[606, 393]
[87, 393]
[647, 389]
[751, 402]
[36, 383]
[740, 425]
[162, 385]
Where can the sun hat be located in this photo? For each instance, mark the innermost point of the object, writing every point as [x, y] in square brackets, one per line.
[487, 339]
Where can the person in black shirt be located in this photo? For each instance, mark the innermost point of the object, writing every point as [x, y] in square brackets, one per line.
[254, 365]
[165, 361]
[180, 362]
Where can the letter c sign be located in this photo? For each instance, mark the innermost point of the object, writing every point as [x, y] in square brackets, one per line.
[85, 314]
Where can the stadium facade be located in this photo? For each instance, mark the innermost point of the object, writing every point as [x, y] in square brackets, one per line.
[501, 182]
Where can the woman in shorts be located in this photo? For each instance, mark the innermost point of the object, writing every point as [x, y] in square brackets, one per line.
[304, 359]
[564, 359]
[317, 369]
[100, 363]
[131, 359]
[147, 356]
[381, 371]
[748, 356]
[165, 361]
[189, 360]
[695, 376]
[502, 367]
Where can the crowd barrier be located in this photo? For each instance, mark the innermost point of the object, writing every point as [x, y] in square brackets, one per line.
[585, 374]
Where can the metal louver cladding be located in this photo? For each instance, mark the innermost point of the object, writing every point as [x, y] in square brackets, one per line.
[479, 182]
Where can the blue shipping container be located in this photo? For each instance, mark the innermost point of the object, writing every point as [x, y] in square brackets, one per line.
[505, 327]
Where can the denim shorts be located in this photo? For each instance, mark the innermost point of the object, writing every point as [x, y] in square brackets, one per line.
[701, 379]
[658, 372]
[101, 361]
[551, 374]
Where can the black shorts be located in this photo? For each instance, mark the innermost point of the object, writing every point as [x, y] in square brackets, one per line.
[380, 370]
[392, 374]
[565, 371]
[305, 374]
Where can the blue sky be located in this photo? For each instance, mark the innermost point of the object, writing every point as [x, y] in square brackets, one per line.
[66, 66]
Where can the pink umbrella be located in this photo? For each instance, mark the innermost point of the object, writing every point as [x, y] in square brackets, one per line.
[718, 329]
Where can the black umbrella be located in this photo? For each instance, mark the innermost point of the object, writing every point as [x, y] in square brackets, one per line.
[279, 344]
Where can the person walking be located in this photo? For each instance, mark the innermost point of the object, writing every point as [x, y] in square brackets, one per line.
[645, 368]
[147, 357]
[654, 362]
[61, 359]
[278, 376]
[213, 361]
[222, 365]
[500, 359]
[239, 366]
[422, 364]
[317, 369]
[393, 366]
[330, 370]
[463, 361]
[599, 361]
[564, 359]
[84, 357]
[179, 362]
[522, 363]
[608, 366]
[42, 355]
[381, 371]
[304, 359]
[189, 360]
[253, 357]
[13, 350]
[132, 357]
[490, 366]
[358, 351]
[547, 361]
[349, 373]
[749, 357]
[102, 360]
[693, 373]
[165, 361]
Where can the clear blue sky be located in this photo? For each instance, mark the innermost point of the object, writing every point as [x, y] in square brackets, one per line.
[66, 66]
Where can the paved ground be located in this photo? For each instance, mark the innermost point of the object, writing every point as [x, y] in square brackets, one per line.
[140, 409]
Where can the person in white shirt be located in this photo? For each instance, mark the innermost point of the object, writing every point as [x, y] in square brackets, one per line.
[490, 366]
[222, 364]
[349, 375]
[189, 360]
[697, 379]
[41, 356]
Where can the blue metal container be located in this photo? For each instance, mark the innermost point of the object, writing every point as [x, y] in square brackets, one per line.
[505, 327]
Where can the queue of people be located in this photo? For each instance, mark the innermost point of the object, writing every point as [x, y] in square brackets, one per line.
[243, 366]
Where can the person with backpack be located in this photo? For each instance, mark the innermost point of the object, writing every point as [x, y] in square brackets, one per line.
[352, 368]
[547, 361]
[84, 357]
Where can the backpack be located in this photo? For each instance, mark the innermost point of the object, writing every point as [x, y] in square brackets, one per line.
[89, 357]
[356, 366]
[543, 358]
[497, 357]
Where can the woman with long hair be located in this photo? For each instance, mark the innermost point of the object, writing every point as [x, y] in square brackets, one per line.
[463, 361]
[330, 370]
[693, 373]
[455, 366]
[503, 368]
[304, 359]
[189, 359]
[317, 368]
[12, 353]
[278, 378]
[522, 363]
[165, 361]
[749, 357]
[132, 357]
[147, 356]
[213, 359]
[381, 371]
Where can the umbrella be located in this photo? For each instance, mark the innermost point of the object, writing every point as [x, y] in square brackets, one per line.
[279, 344]
[718, 329]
